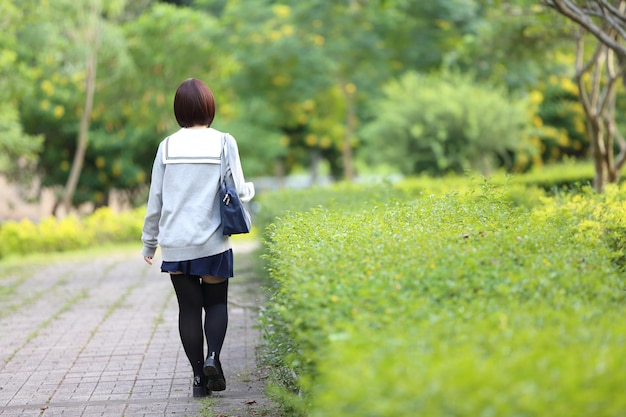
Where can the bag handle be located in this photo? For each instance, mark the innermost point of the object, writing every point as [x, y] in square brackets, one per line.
[223, 160]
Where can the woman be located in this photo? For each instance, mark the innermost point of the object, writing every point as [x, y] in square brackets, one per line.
[183, 218]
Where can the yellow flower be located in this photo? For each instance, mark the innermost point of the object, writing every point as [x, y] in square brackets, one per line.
[569, 86]
[308, 105]
[579, 125]
[287, 30]
[140, 177]
[318, 40]
[281, 10]
[59, 111]
[311, 139]
[443, 24]
[535, 97]
[281, 80]
[325, 142]
[47, 87]
[275, 35]
[350, 88]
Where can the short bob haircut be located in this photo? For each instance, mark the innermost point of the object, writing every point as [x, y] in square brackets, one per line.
[194, 104]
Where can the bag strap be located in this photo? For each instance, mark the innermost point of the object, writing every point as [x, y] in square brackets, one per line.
[223, 161]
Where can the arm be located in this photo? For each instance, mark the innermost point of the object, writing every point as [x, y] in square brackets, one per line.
[150, 232]
[245, 190]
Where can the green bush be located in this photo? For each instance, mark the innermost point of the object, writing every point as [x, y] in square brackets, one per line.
[522, 189]
[459, 305]
[53, 235]
[344, 196]
[440, 124]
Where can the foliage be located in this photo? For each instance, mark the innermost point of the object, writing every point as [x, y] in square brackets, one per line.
[452, 304]
[54, 235]
[347, 196]
[560, 120]
[447, 124]
[295, 81]
[18, 150]
[599, 74]
[307, 69]
[55, 105]
[522, 189]
[512, 43]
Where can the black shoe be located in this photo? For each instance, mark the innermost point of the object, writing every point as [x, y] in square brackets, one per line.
[200, 387]
[213, 371]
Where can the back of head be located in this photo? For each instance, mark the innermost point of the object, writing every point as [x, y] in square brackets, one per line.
[194, 104]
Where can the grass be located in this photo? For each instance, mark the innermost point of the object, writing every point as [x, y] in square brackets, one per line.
[12, 262]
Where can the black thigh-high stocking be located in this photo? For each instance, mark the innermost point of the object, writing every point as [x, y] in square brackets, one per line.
[215, 300]
[189, 294]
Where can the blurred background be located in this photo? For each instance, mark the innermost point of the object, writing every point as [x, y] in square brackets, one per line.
[314, 91]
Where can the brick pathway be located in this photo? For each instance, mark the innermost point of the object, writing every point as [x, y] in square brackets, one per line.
[98, 336]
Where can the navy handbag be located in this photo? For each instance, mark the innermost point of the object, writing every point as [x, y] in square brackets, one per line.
[235, 218]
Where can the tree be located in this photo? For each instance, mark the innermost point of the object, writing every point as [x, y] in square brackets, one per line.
[135, 112]
[439, 124]
[18, 150]
[513, 43]
[63, 42]
[602, 25]
[90, 35]
[316, 64]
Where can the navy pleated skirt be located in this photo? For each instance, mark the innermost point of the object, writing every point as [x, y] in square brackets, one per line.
[220, 265]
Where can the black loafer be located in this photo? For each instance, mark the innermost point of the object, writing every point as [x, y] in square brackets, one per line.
[199, 387]
[215, 376]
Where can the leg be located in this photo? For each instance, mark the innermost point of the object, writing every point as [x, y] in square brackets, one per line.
[189, 295]
[215, 296]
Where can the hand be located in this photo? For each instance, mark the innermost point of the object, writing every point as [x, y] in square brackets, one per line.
[148, 259]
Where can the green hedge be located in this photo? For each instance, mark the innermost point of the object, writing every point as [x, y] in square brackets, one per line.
[452, 305]
[54, 235]
[523, 189]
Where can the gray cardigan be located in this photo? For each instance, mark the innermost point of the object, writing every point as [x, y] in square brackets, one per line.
[183, 215]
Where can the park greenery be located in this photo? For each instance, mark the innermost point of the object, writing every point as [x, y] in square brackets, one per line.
[458, 295]
[347, 88]
[486, 281]
[487, 300]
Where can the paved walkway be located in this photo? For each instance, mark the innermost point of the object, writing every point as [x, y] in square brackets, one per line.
[98, 336]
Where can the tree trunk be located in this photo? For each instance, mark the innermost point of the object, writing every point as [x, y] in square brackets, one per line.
[279, 173]
[597, 77]
[594, 130]
[315, 166]
[346, 150]
[83, 134]
[83, 131]
[597, 96]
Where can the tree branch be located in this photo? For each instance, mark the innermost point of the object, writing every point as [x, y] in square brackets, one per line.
[570, 10]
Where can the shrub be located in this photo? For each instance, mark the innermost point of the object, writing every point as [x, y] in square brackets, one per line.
[460, 305]
[53, 235]
[439, 124]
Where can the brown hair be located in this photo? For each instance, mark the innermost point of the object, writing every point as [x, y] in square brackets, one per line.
[194, 104]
